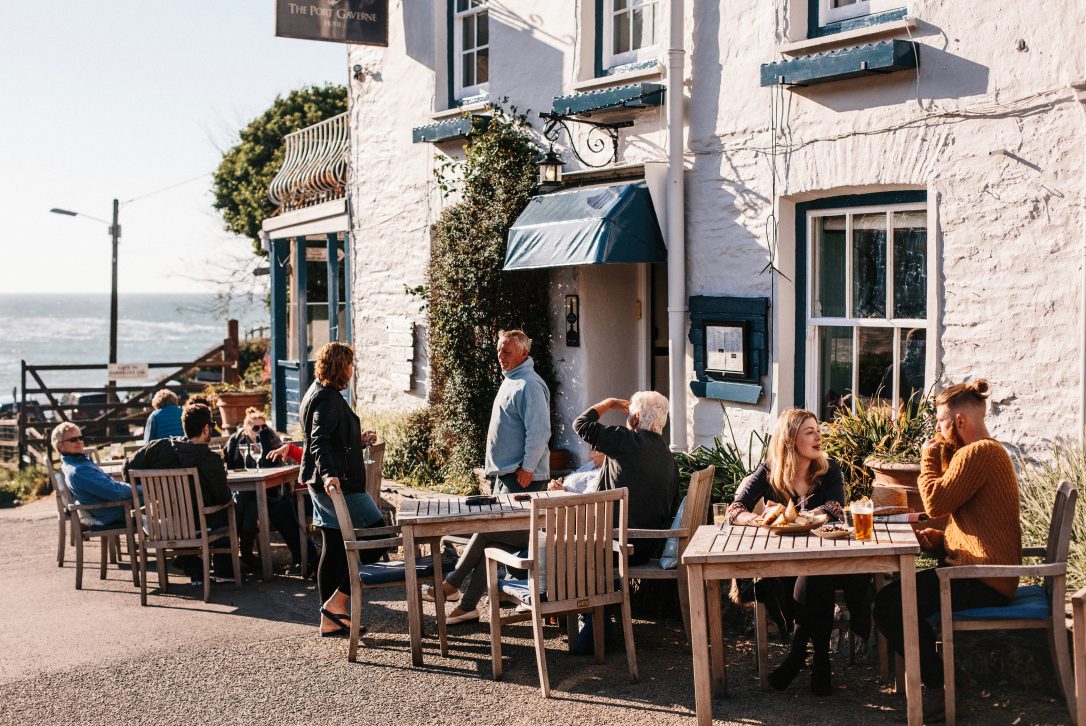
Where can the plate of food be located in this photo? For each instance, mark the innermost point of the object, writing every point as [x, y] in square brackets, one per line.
[785, 519]
[834, 531]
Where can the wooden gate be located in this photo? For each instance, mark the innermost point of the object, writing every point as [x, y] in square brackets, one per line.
[107, 419]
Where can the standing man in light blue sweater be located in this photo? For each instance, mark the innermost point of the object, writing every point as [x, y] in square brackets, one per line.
[517, 454]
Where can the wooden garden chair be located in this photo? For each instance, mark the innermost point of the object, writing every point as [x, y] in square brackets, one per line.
[171, 525]
[1078, 638]
[571, 569]
[83, 530]
[373, 480]
[695, 513]
[379, 574]
[1038, 607]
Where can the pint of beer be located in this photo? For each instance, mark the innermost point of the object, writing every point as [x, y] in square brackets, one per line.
[863, 518]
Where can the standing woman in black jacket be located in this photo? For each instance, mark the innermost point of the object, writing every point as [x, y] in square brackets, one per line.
[798, 472]
[333, 460]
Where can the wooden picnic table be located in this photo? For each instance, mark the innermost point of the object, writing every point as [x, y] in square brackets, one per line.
[260, 481]
[430, 519]
[718, 552]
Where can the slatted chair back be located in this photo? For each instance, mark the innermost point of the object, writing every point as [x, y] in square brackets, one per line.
[1059, 529]
[576, 543]
[169, 496]
[696, 509]
[373, 472]
[64, 495]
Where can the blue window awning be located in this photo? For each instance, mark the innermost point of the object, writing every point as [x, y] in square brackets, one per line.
[588, 226]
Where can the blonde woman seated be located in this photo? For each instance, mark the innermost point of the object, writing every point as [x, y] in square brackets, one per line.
[798, 472]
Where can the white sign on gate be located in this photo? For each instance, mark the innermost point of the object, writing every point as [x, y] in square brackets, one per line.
[127, 371]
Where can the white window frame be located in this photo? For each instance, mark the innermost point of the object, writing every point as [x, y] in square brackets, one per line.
[813, 323]
[637, 55]
[828, 14]
[476, 89]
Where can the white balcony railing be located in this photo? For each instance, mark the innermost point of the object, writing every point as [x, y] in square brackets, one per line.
[314, 166]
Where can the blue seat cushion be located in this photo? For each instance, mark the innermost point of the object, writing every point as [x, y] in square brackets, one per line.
[383, 573]
[1030, 603]
[519, 589]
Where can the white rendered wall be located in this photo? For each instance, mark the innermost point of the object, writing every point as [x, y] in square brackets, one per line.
[1009, 228]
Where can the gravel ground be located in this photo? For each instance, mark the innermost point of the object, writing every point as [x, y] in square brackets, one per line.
[251, 657]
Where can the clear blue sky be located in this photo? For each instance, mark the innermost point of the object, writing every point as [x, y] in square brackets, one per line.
[119, 99]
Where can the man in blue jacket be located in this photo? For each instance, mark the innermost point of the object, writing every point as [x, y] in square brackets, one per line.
[87, 482]
[517, 453]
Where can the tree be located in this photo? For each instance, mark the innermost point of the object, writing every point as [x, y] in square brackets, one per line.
[470, 298]
[240, 184]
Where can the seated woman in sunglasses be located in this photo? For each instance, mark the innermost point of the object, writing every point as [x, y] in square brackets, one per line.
[255, 431]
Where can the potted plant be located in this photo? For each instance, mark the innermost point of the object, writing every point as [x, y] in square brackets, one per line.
[233, 400]
[880, 444]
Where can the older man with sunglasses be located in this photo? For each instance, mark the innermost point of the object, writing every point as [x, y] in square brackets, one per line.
[86, 480]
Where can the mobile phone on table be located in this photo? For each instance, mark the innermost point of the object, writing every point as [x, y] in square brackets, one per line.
[522, 497]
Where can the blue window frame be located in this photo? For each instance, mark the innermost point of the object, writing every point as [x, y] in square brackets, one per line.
[826, 17]
[468, 52]
[862, 307]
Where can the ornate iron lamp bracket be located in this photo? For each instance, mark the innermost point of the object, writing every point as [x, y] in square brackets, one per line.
[596, 140]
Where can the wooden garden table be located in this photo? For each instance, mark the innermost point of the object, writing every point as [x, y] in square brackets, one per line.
[260, 481]
[423, 519]
[718, 552]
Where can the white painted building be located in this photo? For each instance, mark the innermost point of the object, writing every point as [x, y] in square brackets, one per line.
[906, 214]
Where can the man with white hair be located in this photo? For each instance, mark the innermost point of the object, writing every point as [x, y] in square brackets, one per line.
[517, 453]
[638, 459]
[86, 480]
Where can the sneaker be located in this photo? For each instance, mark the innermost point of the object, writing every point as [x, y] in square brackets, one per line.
[428, 594]
[469, 616]
[522, 608]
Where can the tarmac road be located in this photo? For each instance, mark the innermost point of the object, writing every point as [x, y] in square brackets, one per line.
[251, 657]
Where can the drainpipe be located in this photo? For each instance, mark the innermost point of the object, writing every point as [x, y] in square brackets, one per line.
[1079, 91]
[676, 241]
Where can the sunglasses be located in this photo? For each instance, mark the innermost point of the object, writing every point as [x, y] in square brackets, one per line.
[70, 439]
[257, 427]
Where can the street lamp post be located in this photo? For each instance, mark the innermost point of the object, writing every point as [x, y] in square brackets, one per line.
[115, 236]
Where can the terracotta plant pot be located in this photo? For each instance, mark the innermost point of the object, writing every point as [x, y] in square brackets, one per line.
[232, 406]
[894, 475]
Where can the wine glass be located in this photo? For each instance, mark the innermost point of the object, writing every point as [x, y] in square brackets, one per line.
[257, 449]
[247, 455]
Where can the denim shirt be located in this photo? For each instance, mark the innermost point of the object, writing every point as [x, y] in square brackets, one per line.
[520, 425]
[90, 485]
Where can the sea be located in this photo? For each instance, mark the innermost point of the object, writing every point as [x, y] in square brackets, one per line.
[51, 328]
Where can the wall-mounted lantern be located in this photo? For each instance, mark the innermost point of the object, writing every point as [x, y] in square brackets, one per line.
[573, 321]
[550, 171]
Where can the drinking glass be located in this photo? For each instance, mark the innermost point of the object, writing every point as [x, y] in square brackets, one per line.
[247, 455]
[720, 514]
[366, 458]
[863, 519]
[257, 450]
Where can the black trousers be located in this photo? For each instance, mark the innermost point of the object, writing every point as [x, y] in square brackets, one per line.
[810, 601]
[964, 595]
[332, 572]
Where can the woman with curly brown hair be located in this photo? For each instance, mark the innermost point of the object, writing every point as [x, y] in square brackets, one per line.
[798, 472]
[332, 461]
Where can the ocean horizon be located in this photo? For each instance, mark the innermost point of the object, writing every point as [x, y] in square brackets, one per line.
[71, 328]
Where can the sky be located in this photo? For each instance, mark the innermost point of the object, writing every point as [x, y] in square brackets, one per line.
[125, 99]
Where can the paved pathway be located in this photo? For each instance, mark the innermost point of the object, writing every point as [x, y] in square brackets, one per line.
[251, 657]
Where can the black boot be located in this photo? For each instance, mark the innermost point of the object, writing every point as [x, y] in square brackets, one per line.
[786, 672]
[821, 672]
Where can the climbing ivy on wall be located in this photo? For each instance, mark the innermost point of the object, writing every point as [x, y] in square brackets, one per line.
[470, 298]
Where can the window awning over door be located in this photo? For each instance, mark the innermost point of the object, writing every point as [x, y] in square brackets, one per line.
[589, 226]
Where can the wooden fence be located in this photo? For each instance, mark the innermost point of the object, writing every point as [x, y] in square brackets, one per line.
[25, 439]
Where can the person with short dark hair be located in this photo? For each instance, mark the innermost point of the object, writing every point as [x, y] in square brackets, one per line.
[192, 452]
[967, 475]
[165, 421]
[332, 460]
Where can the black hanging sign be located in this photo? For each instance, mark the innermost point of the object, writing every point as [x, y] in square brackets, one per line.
[364, 22]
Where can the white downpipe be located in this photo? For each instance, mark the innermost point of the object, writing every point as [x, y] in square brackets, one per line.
[676, 237]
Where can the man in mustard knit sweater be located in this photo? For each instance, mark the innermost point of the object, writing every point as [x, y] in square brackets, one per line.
[968, 476]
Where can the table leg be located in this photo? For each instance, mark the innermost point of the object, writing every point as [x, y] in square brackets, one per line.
[716, 639]
[263, 537]
[411, 584]
[912, 642]
[439, 577]
[703, 695]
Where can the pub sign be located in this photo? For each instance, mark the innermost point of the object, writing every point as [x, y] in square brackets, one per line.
[364, 22]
